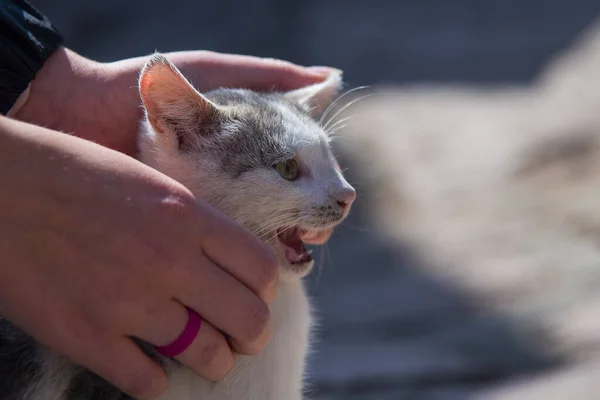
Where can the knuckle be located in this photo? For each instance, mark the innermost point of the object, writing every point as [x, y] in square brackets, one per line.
[258, 323]
[209, 354]
[228, 367]
[182, 205]
[280, 64]
[267, 272]
[269, 260]
[216, 359]
[220, 371]
[145, 385]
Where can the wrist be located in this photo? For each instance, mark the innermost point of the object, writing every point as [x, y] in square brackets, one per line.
[91, 100]
[61, 91]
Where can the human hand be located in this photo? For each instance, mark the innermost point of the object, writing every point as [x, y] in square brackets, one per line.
[97, 248]
[100, 101]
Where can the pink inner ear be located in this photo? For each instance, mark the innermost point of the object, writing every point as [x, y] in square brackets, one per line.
[171, 102]
[146, 82]
[161, 84]
[165, 92]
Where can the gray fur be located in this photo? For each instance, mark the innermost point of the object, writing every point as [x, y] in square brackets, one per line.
[27, 370]
[20, 362]
[30, 372]
[257, 135]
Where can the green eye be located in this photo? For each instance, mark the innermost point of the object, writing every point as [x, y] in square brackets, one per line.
[288, 169]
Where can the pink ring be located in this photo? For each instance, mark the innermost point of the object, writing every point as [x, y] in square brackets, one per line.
[186, 338]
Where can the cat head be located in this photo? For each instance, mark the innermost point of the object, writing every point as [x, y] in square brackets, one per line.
[260, 158]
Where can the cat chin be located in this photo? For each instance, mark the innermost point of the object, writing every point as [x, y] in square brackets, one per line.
[293, 272]
[290, 271]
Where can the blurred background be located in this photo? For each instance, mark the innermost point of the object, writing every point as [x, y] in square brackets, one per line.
[470, 266]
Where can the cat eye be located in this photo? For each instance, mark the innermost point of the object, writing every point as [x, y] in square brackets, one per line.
[288, 169]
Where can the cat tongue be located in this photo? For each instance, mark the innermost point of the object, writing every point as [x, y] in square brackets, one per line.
[294, 247]
[292, 256]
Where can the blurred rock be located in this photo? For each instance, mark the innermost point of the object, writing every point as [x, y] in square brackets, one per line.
[498, 190]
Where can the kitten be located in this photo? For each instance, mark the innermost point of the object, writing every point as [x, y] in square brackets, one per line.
[264, 161]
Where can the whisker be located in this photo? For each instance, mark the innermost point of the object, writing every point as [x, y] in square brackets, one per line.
[342, 137]
[275, 218]
[292, 224]
[270, 221]
[340, 97]
[345, 107]
[276, 224]
[308, 111]
[269, 224]
[355, 227]
[341, 121]
[339, 128]
[321, 264]
[272, 227]
[270, 234]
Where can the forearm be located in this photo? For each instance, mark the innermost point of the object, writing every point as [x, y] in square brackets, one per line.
[27, 153]
[15, 138]
[62, 93]
[27, 150]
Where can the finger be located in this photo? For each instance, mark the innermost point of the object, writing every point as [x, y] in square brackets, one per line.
[226, 304]
[272, 74]
[243, 255]
[211, 70]
[162, 327]
[123, 363]
[209, 355]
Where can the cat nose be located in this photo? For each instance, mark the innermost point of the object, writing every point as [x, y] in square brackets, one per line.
[346, 197]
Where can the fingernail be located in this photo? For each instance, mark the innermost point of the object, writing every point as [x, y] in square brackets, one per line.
[321, 70]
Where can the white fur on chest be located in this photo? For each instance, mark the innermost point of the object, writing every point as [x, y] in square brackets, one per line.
[274, 374]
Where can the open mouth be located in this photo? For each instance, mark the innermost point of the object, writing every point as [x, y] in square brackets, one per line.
[293, 246]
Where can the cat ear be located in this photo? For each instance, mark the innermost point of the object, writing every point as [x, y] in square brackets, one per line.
[316, 98]
[173, 106]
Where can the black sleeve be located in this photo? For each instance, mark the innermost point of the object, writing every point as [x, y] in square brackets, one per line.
[27, 39]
